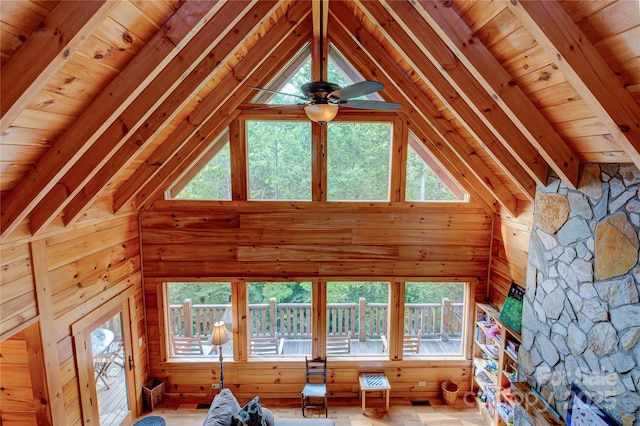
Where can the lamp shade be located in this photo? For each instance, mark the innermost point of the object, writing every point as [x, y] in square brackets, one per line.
[219, 336]
[321, 113]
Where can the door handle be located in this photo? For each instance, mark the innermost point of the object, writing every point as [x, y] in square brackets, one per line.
[130, 363]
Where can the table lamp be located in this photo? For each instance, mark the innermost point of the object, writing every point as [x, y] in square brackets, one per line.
[219, 337]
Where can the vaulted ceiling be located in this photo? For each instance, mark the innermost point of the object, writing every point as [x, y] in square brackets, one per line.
[105, 103]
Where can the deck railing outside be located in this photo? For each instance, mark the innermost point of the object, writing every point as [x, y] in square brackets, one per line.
[293, 320]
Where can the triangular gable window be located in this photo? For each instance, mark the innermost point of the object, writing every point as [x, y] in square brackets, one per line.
[426, 180]
[210, 177]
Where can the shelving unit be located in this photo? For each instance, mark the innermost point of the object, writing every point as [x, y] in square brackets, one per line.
[495, 365]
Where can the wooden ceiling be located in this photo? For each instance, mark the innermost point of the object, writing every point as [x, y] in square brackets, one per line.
[105, 103]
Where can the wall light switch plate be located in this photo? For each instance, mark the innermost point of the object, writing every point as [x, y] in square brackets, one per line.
[215, 385]
[422, 383]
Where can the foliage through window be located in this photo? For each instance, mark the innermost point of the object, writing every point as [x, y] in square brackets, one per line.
[213, 182]
[279, 160]
[422, 184]
[358, 161]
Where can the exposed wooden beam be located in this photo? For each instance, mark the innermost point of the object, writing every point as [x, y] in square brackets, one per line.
[96, 118]
[471, 53]
[471, 105]
[117, 149]
[585, 69]
[45, 52]
[216, 109]
[438, 128]
[399, 88]
[211, 47]
[319, 43]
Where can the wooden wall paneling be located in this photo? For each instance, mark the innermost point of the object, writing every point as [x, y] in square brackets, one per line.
[285, 379]
[36, 357]
[17, 391]
[18, 303]
[48, 332]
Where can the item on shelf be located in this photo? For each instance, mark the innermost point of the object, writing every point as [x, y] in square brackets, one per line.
[512, 309]
[492, 351]
[506, 412]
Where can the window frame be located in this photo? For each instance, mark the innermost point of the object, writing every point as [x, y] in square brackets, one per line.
[240, 330]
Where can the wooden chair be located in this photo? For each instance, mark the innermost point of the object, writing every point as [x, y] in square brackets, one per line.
[186, 345]
[339, 344]
[314, 394]
[268, 345]
[410, 343]
[101, 364]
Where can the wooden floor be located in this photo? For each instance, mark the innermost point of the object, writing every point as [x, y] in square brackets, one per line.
[112, 403]
[347, 412]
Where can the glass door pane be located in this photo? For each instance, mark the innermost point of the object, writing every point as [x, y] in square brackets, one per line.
[107, 346]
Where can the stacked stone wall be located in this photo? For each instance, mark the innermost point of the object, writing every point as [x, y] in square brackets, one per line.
[581, 313]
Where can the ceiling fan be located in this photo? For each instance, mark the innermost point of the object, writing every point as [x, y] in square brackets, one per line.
[322, 98]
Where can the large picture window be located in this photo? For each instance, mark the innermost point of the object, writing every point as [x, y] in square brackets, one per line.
[358, 161]
[357, 318]
[193, 309]
[279, 322]
[433, 315]
[279, 160]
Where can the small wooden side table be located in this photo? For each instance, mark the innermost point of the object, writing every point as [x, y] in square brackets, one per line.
[374, 382]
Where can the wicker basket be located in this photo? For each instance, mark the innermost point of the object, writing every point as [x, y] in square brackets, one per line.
[449, 392]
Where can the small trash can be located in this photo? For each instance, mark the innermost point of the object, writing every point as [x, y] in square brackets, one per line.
[449, 392]
[153, 393]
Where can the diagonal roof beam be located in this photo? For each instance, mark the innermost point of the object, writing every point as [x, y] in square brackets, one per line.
[96, 118]
[196, 128]
[585, 69]
[470, 51]
[45, 52]
[116, 149]
[403, 30]
[348, 36]
[438, 128]
[247, 72]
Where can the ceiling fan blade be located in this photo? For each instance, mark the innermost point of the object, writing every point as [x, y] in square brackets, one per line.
[278, 93]
[357, 89]
[365, 104]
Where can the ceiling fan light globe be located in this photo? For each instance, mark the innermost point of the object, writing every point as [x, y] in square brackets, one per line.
[321, 113]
